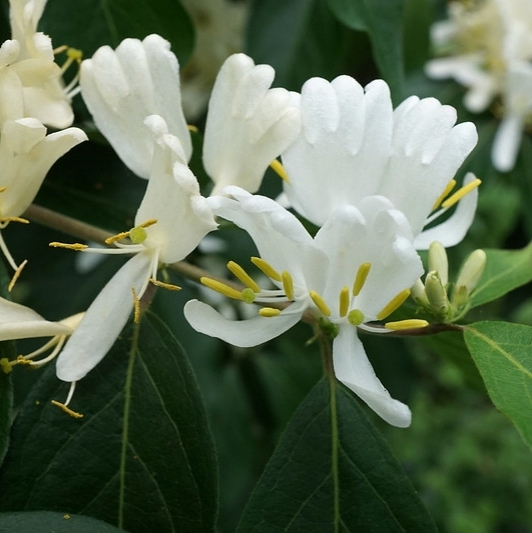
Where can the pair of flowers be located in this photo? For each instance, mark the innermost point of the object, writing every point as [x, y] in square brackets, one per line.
[370, 177]
[487, 47]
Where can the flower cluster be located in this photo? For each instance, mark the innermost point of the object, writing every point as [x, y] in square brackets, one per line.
[375, 182]
[487, 47]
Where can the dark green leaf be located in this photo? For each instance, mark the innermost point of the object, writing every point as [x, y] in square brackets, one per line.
[382, 19]
[33, 522]
[505, 270]
[141, 457]
[502, 352]
[304, 489]
[89, 24]
[300, 39]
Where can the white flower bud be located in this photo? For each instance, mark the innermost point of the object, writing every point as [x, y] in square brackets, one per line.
[438, 261]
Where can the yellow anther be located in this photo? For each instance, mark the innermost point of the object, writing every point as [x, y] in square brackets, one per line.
[393, 304]
[118, 237]
[16, 275]
[412, 323]
[344, 301]
[21, 360]
[7, 220]
[361, 277]
[450, 186]
[74, 53]
[67, 410]
[243, 276]
[4, 188]
[192, 128]
[60, 49]
[167, 286]
[288, 284]
[248, 295]
[266, 268]
[6, 366]
[136, 306]
[460, 193]
[268, 312]
[148, 223]
[222, 288]
[278, 168]
[320, 303]
[355, 317]
[75, 246]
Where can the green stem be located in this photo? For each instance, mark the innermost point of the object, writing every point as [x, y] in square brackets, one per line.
[125, 431]
[326, 350]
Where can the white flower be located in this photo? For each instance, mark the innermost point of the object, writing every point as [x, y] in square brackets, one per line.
[357, 269]
[26, 155]
[122, 87]
[248, 124]
[518, 107]
[30, 56]
[353, 144]
[169, 224]
[20, 322]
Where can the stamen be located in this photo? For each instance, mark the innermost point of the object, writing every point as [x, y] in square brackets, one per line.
[7, 220]
[75, 54]
[148, 223]
[412, 323]
[266, 268]
[269, 312]
[222, 288]
[355, 317]
[320, 303]
[192, 128]
[3, 189]
[393, 304]
[360, 279]
[344, 301]
[243, 276]
[136, 306]
[6, 365]
[288, 285]
[118, 237]
[64, 406]
[460, 193]
[278, 168]
[16, 275]
[167, 286]
[450, 186]
[76, 246]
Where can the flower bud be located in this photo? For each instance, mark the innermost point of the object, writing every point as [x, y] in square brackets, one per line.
[437, 295]
[438, 261]
[469, 276]
[418, 294]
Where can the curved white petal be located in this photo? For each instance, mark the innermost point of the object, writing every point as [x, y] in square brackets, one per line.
[454, 229]
[353, 369]
[121, 88]
[104, 320]
[20, 322]
[248, 124]
[173, 199]
[506, 142]
[244, 333]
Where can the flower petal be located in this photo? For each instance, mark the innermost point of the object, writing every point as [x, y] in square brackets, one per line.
[353, 369]
[104, 320]
[244, 333]
[453, 230]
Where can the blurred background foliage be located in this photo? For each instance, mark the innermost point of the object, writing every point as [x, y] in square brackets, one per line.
[469, 464]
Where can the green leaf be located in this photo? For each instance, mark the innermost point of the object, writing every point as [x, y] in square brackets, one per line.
[502, 352]
[89, 24]
[142, 456]
[332, 471]
[505, 270]
[382, 20]
[300, 39]
[57, 522]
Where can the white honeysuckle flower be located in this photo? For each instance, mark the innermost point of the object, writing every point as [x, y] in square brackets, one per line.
[353, 141]
[518, 107]
[20, 322]
[170, 222]
[30, 55]
[357, 269]
[122, 87]
[248, 124]
[26, 155]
